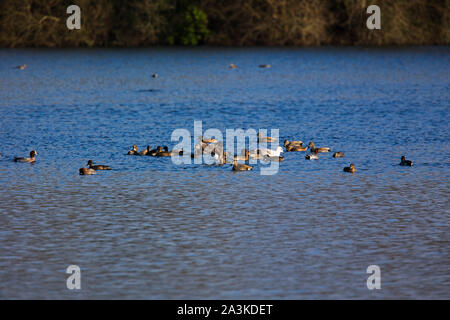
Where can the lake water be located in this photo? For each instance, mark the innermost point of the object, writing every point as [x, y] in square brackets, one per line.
[149, 229]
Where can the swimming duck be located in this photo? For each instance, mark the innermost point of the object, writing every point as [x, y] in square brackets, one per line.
[22, 67]
[313, 156]
[241, 167]
[164, 153]
[207, 141]
[269, 152]
[293, 143]
[244, 157]
[291, 148]
[312, 147]
[261, 138]
[350, 169]
[338, 155]
[278, 159]
[405, 162]
[33, 153]
[265, 66]
[98, 166]
[145, 151]
[257, 155]
[133, 151]
[84, 171]
[233, 66]
[155, 75]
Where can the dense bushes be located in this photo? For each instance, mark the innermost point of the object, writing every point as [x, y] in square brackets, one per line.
[222, 22]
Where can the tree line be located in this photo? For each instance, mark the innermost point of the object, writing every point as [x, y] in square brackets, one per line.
[130, 23]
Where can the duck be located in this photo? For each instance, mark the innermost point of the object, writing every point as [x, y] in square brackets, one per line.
[155, 75]
[257, 155]
[84, 171]
[98, 166]
[350, 169]
[208, 141]
[338, 155]
[133, 151]
[265, 66]
[233, 66]
[244, 157]
[291, 148]
[405, 162]
[323, 149]
[154, 152]
[293, 143]
[278, 159]
[22, 67]
[241, 167]
[164, 153]
[261, 138]
[145, 151]
[269, 152]
[313, 156]
[32, 158]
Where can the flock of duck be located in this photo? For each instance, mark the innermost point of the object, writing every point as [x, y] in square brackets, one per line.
[214, 148]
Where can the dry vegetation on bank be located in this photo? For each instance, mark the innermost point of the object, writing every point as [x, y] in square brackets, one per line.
[42, 23]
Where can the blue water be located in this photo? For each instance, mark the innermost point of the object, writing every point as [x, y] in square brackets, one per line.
[150, 229]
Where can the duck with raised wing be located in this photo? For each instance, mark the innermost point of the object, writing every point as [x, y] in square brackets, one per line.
[32, 157]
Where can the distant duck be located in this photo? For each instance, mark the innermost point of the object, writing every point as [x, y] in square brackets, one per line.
[405, 162]
[133, 151]
[145, 152]
[241, 167]
[313, 156]
[269, 152]
[257, 155]
[154, 152]
[84, 171]
[313, 148]
[233, 66]
[98, 166]
[261, 138]
[275, 159]
[338, 155]
[22, 67]
[293, 143]
[291, 148]
[265, 66]
[208, 141]
[155, 75]
[350, 169]
[164, 153]
[244, 157]
[33, 154]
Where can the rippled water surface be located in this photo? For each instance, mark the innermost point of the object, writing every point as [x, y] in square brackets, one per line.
[150, 229]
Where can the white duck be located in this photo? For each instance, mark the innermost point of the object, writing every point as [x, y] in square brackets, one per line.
[268, 152]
